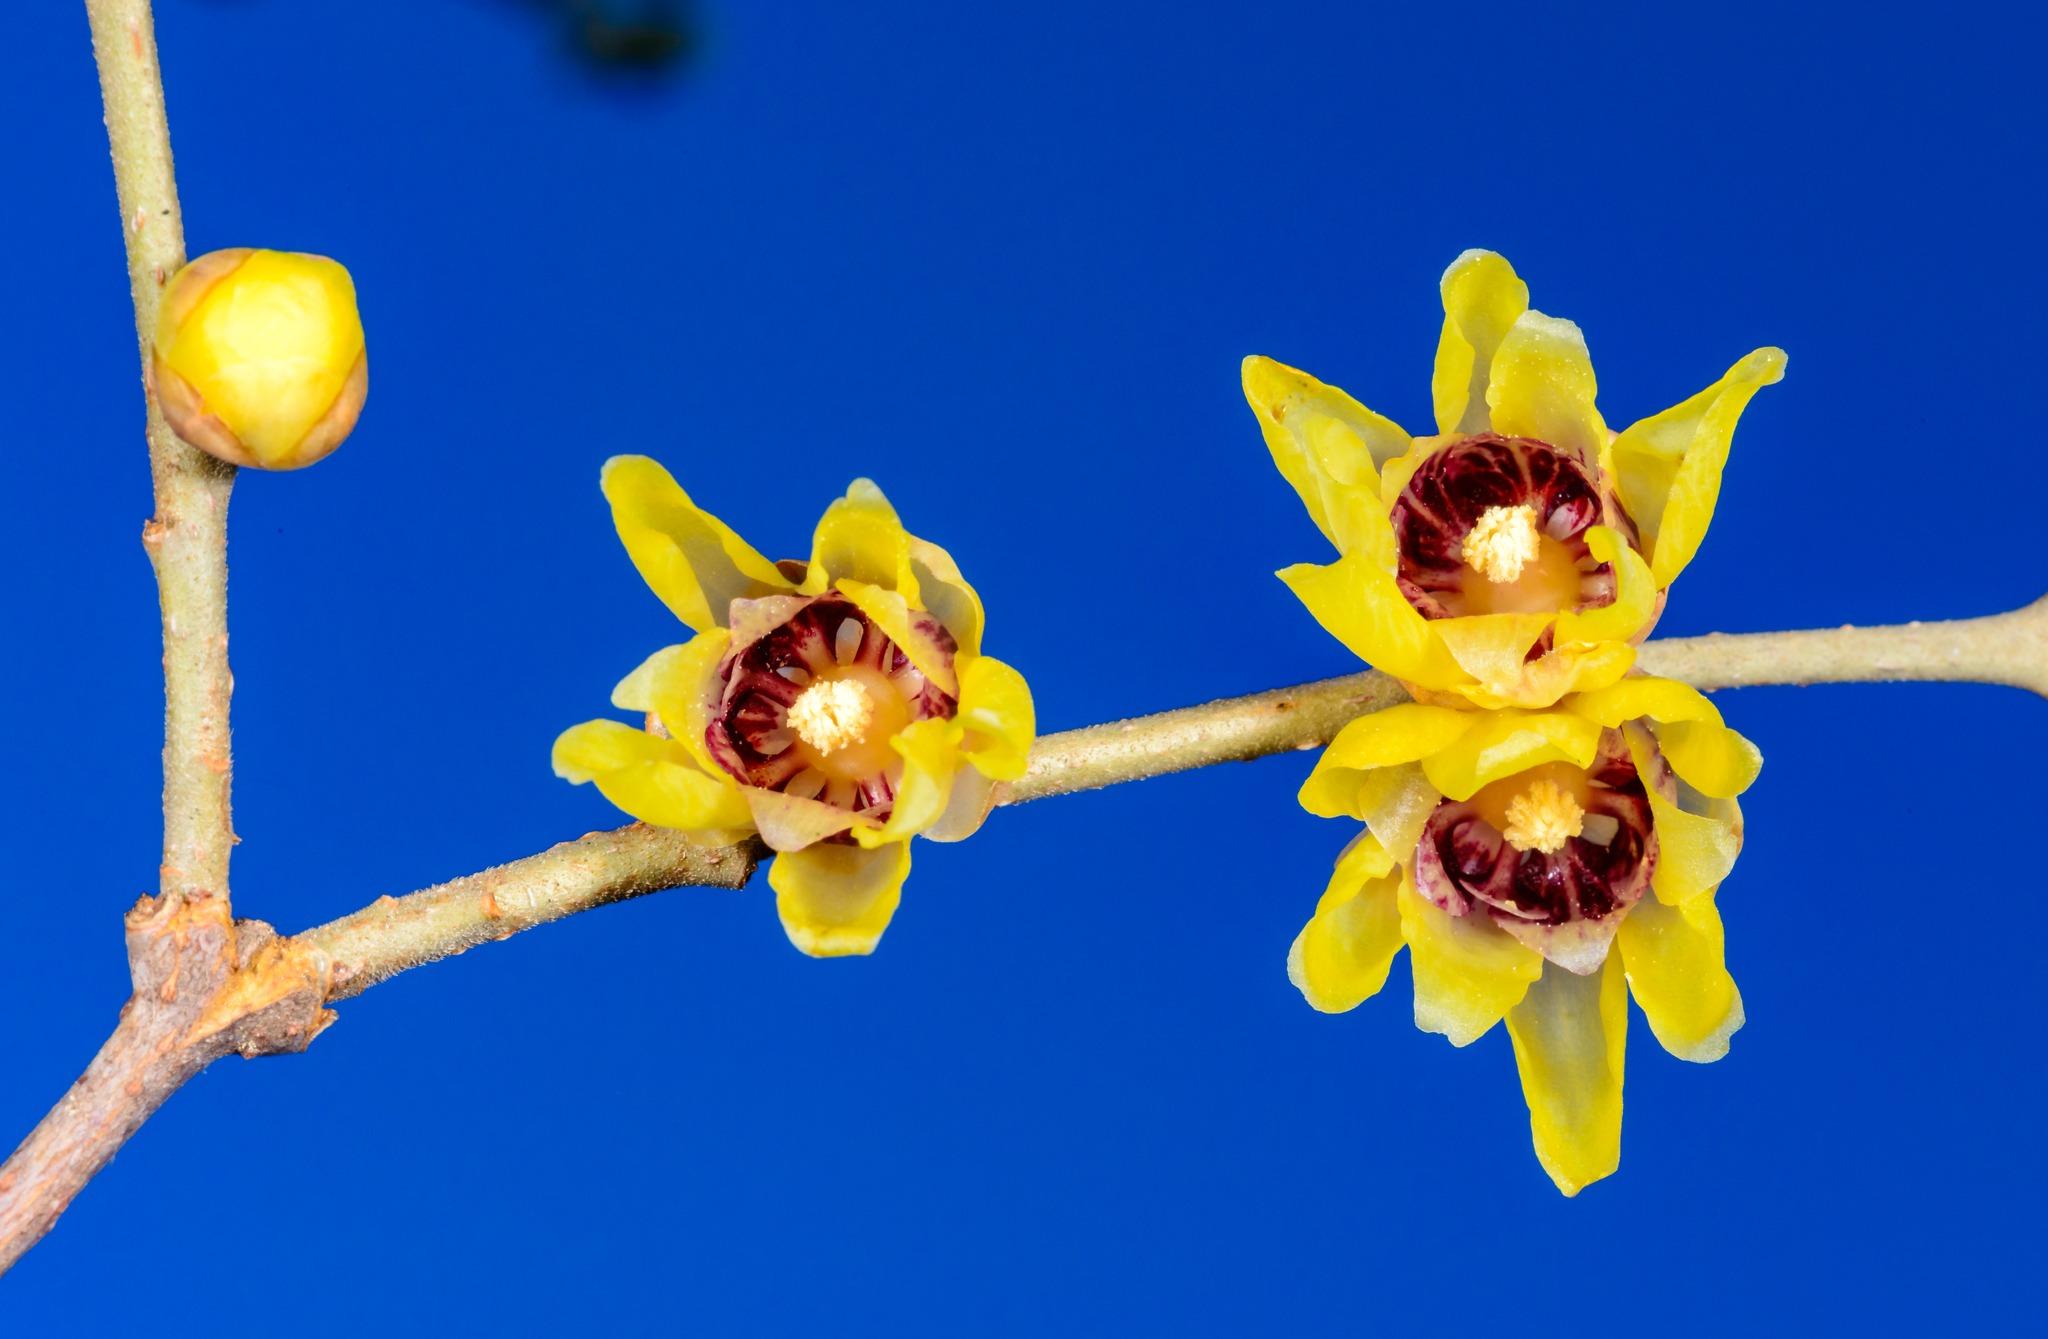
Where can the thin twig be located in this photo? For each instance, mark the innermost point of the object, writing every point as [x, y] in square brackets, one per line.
[187, 538]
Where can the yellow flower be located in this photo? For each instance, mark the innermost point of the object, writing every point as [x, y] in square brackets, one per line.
[258, 357]
[835, 707]
[1539, 865]
[1521, 552]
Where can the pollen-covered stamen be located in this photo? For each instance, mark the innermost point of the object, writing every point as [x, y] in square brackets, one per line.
[1543, 818]
[1502, 542]
[831, 714]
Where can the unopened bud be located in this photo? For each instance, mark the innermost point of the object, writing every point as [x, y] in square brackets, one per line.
[258, 357]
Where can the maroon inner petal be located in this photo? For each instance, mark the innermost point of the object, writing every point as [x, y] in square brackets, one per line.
[1454, 487]
[1462, 858]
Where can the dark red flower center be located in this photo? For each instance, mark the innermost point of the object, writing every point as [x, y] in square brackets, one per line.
[1527, 505]
[1505, 852]
[808, 707]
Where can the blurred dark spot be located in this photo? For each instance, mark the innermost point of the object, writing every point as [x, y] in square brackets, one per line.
[627, 36]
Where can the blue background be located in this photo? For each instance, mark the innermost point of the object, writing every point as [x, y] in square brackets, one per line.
[1006, 262]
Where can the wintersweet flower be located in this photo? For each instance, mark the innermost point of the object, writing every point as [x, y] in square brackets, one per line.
[1522, 551]
[834, 707]
[1539, 866]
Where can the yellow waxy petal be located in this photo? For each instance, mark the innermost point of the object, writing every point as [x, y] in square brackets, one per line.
[689, 558]
[836, 900]
[1501, 743]
[1483, 297]
[1544, 681]
[677, 684]
[1695, 851]
[1542, 386]
[1468, 971]
[1358, 603]
[1340, 958]
[1668, 467]
[1709, 757]
[651, 778]
[860, 538]
[791, 823]
[1676, 966]
[1644, 697]
[891, 613]
[1571, 1036]
[998, 718]
[1635, 595]
[1326, 444]
[967, 807]
[1492, 648]
[1396, 803]
[930, 750]
[947, 595]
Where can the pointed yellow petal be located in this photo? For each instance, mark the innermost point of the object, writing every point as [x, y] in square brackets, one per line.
[1502, 743]
[1711, 758]
[651, 778]
[1326, 444]
[1676, 966]
[1381, 739]
[1396, 803]
[1483, 297]
[1668, 466]
[677, 684]
[1542, 386]
[1641, 697]
[836, 900]
[1571, 1034]
[1695, 850]
[947, 595]
[930, 750]
[1358, 603]
[1635, 595]
[1492, 648]
[998, 717]
[791, 823]
[906, 627]
[689, 558]
[1340, 958]
[1544, 681]
[1468, 972]
[860, 539]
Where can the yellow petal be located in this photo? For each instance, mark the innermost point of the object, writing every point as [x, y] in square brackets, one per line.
[835, 900]
[1396, 803]
[1340, 958]
[891, 613]
[1501, 743]
[1326, 444]
[791, 823]
[1483, 297]
[1492, 648]
[860, 539]
[998, 718]
[1468, 972]
[677, 684]
[1358, 603]
[1674, 957]
[1635, 595]
[1566, 669]
[967, 807]
[1644, 696]
[1695, 851]
[930, 750]
[1542, 386]
[689, 558]
[1667, 467]
[1380, 739]
[651, 778]
[1709, 757]
[1571, 1034]
[947, 595]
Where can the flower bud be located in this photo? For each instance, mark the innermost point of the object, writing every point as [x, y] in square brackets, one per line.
[258, 357]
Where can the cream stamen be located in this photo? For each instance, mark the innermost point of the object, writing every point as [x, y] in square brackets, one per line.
[831, 714]
[1543, 818]
[1503, 542]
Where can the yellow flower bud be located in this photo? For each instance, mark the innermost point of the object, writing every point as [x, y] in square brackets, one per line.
[258, 357]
